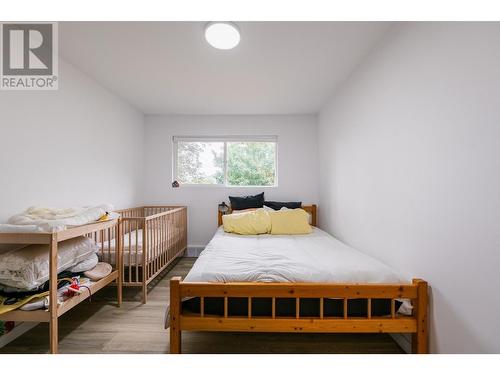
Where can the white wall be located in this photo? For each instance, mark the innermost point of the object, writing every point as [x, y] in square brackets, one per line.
[79, 145]
[297, 164]
[410, 171]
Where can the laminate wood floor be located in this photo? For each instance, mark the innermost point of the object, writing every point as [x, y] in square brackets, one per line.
[100, 327]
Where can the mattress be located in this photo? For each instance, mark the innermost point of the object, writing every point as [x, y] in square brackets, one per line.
[315, 257]
[131, 248]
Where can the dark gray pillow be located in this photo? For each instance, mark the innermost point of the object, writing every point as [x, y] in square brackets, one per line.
[279, 205]
[249, 201]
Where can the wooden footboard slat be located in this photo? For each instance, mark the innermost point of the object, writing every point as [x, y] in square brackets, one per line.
[301, 290]
[321, 308]
[400, 325]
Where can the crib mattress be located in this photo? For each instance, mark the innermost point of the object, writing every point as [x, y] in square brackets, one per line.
[132, 248]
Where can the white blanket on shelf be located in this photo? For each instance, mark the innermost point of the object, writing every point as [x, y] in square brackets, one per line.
[45, 219]
[27, 268]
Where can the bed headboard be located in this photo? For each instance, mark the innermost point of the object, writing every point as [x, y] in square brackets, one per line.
[310, 209]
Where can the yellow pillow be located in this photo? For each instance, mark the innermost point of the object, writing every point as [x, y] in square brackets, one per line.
[294, 221]
[251, 222]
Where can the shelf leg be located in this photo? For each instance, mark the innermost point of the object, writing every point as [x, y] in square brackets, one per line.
[53, 328]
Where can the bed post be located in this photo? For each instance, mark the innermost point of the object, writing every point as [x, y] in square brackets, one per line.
[314, 219]
[419, 339]
[175, 312]
[53, 331]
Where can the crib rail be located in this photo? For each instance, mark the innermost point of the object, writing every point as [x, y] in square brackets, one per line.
[106, 240]
[152, 237]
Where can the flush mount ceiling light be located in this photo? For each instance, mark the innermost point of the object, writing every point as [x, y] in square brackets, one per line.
[222, 35]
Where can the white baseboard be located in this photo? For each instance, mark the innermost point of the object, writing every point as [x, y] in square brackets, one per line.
[403, 340]
[194, 251]
[16, 332]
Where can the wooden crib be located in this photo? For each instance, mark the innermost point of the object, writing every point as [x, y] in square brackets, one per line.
[152, 237]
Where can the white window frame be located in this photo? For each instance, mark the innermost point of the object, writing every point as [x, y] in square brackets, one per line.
[225, 139]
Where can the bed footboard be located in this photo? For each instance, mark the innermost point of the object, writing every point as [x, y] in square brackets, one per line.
[320, 292]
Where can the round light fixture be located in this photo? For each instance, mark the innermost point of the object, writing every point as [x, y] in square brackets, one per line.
[222, 35]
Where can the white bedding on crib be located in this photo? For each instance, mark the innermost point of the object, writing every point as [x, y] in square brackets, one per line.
[131, 247]
[132, 254]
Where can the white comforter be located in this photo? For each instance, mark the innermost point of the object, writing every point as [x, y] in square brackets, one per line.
[315, 257]
[44, 219]
[28, 267]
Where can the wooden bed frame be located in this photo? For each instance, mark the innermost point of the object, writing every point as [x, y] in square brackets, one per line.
[394, 323]
[103, 233]
[164, 238]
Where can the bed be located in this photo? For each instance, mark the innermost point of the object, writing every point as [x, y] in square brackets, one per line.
[152, 238]
[301, 283]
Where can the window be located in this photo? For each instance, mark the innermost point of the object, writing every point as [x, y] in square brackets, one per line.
[225, 161]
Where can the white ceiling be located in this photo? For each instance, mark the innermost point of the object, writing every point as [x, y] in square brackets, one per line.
[167, 67]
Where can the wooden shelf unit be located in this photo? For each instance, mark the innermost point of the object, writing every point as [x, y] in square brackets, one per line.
[100, 229]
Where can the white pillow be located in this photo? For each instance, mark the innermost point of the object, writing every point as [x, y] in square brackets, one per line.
[86, 264]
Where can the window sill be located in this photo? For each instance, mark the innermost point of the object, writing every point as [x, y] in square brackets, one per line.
[213, 186]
